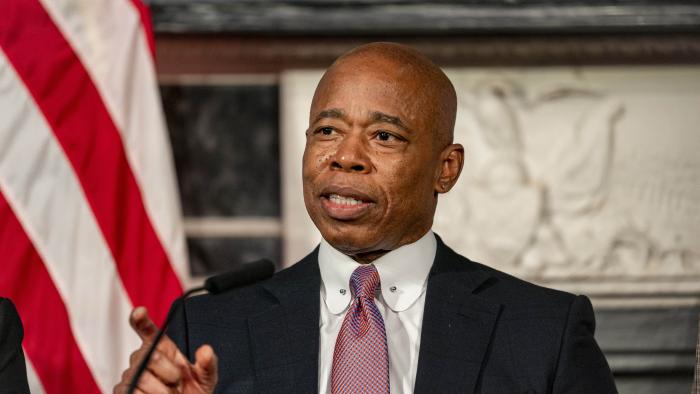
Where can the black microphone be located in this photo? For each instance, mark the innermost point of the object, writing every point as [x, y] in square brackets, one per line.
[244, 275]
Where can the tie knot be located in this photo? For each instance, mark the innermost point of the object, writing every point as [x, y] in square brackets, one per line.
[365, 281]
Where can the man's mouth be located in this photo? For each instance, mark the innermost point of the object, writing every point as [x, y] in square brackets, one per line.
[345, 206]
[342, 200]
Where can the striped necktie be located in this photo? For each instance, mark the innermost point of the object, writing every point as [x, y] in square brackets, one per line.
[360, 359]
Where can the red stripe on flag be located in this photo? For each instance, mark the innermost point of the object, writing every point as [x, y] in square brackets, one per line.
[48, 339]
[147, 23]
[74, 108]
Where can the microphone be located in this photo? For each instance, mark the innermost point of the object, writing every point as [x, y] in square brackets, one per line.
[244, 275]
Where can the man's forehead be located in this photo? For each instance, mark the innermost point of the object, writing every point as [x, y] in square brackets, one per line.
[410, 82]
[344, 90]
[354, 77]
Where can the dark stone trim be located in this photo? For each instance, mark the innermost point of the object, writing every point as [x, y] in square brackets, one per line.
[648, 341]
[227, 54]
[347, 18]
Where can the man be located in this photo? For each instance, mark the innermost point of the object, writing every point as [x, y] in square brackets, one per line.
[382, 304]
[13, 373]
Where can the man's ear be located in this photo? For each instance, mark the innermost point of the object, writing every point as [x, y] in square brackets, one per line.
[451, 162]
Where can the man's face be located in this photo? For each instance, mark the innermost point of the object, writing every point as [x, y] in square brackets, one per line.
[370, 164]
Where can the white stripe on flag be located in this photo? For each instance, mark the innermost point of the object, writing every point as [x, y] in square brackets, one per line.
[49, 202]
[35, 386]
[108, 38]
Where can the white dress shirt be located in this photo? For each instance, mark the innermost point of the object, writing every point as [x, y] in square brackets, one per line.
[403, 273]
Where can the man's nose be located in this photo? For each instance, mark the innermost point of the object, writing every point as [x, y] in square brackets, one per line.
[351, 155]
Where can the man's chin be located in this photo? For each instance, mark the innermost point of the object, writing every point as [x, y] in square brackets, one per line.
[358, 240]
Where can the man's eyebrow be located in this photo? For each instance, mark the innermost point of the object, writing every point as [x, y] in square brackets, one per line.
[375, 117]
[384, 118]
[330, 113]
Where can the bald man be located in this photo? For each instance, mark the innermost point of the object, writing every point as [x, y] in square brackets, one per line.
[382, 304]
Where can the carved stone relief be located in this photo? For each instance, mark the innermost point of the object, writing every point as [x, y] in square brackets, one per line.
[584, 179]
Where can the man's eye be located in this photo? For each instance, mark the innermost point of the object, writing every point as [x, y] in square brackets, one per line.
[326, 130]
[385, 136]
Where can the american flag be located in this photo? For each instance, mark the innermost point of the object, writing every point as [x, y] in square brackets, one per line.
[90, 223]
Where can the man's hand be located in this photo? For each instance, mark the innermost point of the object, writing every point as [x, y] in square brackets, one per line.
[168, 371]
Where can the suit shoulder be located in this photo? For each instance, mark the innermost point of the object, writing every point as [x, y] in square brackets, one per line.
[246, 301]
[514, 293]
[6, 305]
[8, 314]
[11, 331]
[239, 302]
[520, 291]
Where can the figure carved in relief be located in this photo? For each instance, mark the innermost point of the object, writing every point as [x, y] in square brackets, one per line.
[544, 163]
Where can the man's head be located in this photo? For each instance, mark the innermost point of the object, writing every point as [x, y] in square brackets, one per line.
[379, 149]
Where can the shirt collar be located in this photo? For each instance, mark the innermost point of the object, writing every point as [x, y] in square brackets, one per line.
[403, 273]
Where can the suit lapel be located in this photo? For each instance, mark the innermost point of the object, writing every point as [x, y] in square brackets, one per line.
[457, 325]
[284, 338]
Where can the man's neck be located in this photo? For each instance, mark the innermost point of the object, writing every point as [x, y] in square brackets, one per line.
[366, 258]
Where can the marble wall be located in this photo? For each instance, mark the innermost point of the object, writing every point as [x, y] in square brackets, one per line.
[582, 177]
[226, 145]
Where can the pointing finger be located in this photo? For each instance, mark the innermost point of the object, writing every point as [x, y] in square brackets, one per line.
[142, 324]
[147, 331]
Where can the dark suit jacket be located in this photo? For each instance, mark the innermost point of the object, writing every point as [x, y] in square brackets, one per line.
[13, 375]
[483, 332]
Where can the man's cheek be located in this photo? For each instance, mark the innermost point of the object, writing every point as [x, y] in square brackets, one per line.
[323, 159]
[319, 156]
